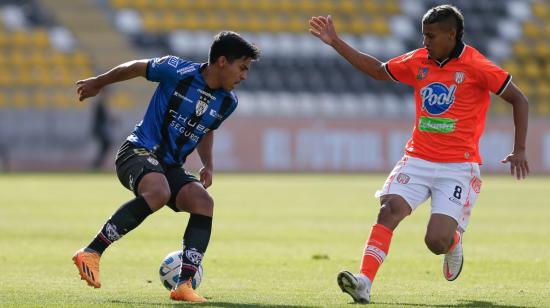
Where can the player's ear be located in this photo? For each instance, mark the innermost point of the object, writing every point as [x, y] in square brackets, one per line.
[222, 61]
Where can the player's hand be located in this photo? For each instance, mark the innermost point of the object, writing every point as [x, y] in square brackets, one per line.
[518, 164]
[206, 177]
[323, 28]
[87, 88]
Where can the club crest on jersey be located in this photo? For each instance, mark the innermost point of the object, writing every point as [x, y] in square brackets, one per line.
[459, 77]
[201, 107]
[422, 73]
[437, 98]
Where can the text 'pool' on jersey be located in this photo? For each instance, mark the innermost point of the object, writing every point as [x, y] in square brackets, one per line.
[437, 98]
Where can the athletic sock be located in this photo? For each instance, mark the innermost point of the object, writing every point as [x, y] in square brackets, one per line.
[124, 220]
[376, 249]
[195, 242]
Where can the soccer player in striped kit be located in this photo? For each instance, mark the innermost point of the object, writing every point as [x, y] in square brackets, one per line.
[190, 102]
[452, 84]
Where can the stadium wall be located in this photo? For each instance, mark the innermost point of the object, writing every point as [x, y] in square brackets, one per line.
[301, 145]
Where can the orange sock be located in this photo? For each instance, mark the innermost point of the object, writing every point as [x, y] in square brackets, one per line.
[376, 249]
[456, 239]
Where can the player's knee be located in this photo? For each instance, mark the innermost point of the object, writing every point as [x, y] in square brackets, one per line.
[437, 244]
[205, 204]
[390, 215]
[157, 197]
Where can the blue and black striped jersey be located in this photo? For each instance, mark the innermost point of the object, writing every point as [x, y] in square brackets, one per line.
[182, 110]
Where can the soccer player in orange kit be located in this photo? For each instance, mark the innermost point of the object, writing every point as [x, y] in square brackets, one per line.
[452, 84]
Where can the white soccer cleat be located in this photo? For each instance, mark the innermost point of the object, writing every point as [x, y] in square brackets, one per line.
[357, 286]
[452, 264]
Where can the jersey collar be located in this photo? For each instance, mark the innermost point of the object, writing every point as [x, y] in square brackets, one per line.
[455, 53]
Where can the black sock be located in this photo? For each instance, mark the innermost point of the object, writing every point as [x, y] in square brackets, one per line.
[125, 219]
[195, 242]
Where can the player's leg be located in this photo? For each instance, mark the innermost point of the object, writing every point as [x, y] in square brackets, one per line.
[453, 196]
[193, 198]
[403, 191]
[135, 168]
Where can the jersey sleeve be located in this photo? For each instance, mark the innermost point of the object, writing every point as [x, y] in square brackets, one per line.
[491, 76]
[165, 69]
[228, 106]
[401, 68]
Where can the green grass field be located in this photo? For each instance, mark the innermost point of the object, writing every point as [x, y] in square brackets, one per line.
[278, 241]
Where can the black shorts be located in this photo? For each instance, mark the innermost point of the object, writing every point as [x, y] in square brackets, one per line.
[133, 162]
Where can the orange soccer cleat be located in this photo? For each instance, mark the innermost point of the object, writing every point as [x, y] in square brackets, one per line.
[185, 292]
[88, 267]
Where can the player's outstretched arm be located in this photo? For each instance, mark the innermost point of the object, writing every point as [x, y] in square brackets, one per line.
[518, 159]
[323, 28]
[91, 86]
[204, 148]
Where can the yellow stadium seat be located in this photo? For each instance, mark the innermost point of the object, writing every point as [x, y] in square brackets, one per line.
[532, 70]
[246, 5]
[192, 22]
[391, 7]
[3, 100]
[151, 22]
[20, 39]
[500, 107]
[521, 49]
[358, 25]
[170, 21]
[275, 23]
[18, 58]
[213, 21]
[371, 7]
[540, 10]
[546, 29]
[307, 7]
[40, 100]
[235, 22]
[121, 101]
[511, 67]
[326, 7]
[531, 29]
[379, 26]
[346, 6]
[20, 100]
[120, 4]
[255, 23]
[297, 24]
[542, 49]
[40, 38]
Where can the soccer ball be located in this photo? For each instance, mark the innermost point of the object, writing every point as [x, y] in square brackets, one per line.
[170, 270]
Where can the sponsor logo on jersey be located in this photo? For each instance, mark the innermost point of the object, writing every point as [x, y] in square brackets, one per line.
[185, 70]
[173, 61]
[459, 77]
[436, 125]
[437, 98]
[403, 178]
[185, 98]
[422, 73]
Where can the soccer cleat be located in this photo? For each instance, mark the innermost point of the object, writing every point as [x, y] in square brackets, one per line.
[357, 286]
[88, 267]
[184, 292]
[452, 264]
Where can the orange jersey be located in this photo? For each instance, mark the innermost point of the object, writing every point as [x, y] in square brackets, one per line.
[452, 98]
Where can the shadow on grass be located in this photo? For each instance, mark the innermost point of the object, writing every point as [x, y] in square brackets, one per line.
[210, 303]
[464, 303]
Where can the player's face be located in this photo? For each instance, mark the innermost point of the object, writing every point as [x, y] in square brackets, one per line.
[233, 73]
[438, 40]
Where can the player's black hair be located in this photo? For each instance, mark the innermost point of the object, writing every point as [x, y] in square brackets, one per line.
[448, 15]
[233, 46]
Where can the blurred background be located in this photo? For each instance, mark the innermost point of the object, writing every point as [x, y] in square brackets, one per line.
[302, 108]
